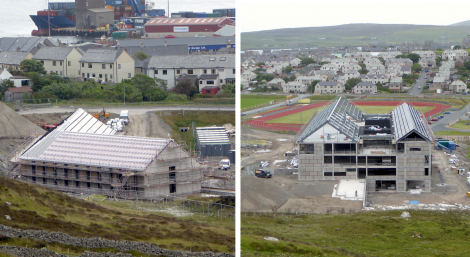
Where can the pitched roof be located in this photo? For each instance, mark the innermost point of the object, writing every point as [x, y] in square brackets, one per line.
[102, 55]
[190, 41]
[337, 115]
[185, 21]
[25, 44]
[406, 121]
[156, 51]
[12, 58]
[212, 76]
[52, 53]
[192, 61]
[20, 89]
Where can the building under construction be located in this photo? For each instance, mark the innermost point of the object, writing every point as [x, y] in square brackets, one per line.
[392, 152]
[83, 155]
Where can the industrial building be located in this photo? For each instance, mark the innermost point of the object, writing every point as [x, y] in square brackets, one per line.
[185, 27]
[213, 141]
[195, 44]
[392, 152]
[83, 155]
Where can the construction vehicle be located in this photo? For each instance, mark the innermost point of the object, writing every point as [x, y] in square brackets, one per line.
[45, 126]
[260, 173]
[100, 115]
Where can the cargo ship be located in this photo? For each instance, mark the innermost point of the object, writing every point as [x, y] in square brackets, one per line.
[61, 16]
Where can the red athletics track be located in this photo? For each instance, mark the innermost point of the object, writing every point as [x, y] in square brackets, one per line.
[263, 123]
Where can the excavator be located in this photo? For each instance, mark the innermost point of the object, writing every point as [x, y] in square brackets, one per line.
[100, 115]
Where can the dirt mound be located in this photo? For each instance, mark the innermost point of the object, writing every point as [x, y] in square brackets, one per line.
[49, 118]
[257, 191]
[313, 189]
[14, 126]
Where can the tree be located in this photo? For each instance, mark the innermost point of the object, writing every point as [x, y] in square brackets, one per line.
[350, 83]
[286, 79]
[143, 82]
[457, 47]
[186, 87]
[413, 57]
[288, 69]
[229, 88]
[260, 63]
[363, 66]
[141, 56]
[438, 61]
[467, 65]
[5, 85]
[292, 77]
[30, 65]
[306, 61]
[311, 87]
[363, 71]
[416, 67]
[154, 94]
[381, 60]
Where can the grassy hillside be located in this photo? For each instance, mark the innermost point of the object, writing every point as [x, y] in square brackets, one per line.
[426, 233]
[35, 207]
[462, 23]
[354, 34]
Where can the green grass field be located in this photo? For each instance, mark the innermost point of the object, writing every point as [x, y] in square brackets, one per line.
[295, 118]
[463, 124]
[452, 133]
[385, 234]
[254, 100]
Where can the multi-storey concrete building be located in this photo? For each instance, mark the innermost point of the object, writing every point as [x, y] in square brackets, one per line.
[392, 152]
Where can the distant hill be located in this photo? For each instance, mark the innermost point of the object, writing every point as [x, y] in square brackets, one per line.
[462, 23]
[351, 34]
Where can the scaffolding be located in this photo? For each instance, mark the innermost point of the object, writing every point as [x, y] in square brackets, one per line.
[124, 183]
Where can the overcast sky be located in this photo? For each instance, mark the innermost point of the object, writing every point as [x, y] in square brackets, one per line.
[256, 15]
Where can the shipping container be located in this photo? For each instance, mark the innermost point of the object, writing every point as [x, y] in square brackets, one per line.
[120, 34]
[142, 2]
[191, 15]
[124, 2]
[110, 7]
[56, 6]
[213, 15]
[70, 5]
[201, 15]
[50, 13]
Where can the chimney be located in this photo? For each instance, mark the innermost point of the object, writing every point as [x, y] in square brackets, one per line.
[141, 44]
[18, 49]
[165, 43]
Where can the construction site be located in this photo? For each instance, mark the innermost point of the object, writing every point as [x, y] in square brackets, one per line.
[78, 153]
[395, 159]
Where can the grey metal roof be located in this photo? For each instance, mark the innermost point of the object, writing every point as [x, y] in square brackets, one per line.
[192, 61]
[212, 135]
[341, 115]
[12, 58]
[212, 76]
[191, 77]
[407, 120]
[101, 55]
[190, 41]
[156, 51]
[52, 53]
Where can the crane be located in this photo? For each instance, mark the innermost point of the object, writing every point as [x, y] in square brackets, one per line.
[136, 8]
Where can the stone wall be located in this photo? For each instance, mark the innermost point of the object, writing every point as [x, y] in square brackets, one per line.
[91, 243]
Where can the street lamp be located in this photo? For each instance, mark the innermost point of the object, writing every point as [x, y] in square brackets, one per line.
[124, 95]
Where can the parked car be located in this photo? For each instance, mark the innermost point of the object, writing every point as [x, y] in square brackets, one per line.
[170, 36]
[429, 122]
[260, 173]
[435, 119]
[272, 93]
[446, 112]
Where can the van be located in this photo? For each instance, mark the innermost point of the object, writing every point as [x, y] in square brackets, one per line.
[224, 164]
[124, 116]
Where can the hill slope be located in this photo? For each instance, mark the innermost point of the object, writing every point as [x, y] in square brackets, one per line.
[354, 34]
[462, 23]
[38, 208]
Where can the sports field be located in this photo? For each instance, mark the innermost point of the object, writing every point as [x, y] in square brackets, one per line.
[295, 118]
[254, 100]
[288, 118]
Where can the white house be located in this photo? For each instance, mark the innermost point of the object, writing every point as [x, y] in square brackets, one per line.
[107, 65]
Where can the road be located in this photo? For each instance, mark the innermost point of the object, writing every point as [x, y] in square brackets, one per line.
[133, 110]
[418, 85]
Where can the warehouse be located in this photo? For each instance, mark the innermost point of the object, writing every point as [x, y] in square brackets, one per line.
[195, 44]
[83, 155]
[392, 152]
[185, 27]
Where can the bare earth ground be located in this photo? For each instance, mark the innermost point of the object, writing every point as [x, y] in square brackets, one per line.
[147, 125]
[287, 194]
